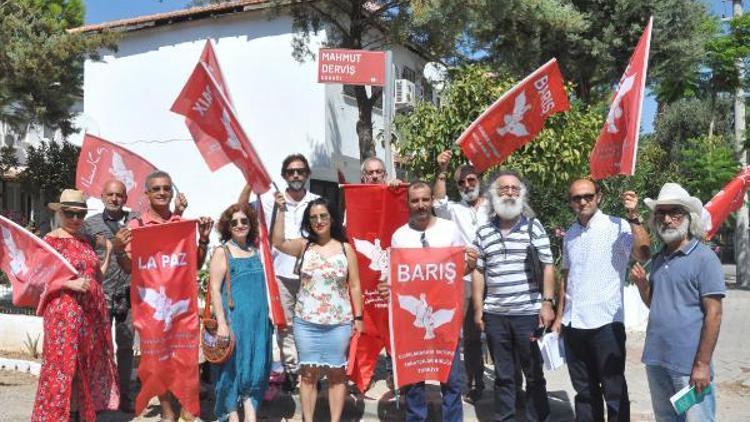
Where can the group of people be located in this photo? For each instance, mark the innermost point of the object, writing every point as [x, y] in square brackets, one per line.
[513, 294]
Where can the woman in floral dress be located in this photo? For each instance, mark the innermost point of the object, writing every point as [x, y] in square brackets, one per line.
[78, 376]
[329, 289]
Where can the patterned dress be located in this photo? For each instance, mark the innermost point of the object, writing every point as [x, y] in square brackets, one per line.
[77, 344]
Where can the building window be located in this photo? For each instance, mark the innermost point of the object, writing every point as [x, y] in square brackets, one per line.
[409, 74]
[330, 191]
[349, 92]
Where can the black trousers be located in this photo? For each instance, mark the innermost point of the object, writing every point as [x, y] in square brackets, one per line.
[473, 359]
[596, 362]
[509, 336]
[124, 334]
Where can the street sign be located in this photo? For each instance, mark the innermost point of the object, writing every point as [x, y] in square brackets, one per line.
[351, 67]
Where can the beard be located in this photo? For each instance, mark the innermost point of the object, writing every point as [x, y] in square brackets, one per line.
[507, 208]
[471, 195]
[671, 235]
[296, 185]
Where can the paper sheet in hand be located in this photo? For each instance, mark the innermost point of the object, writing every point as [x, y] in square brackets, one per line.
[687, 397]
[553, 352]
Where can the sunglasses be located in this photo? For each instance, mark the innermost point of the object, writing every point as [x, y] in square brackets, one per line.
[588, 197]
[238, 221]
[155, 189]
[291, 172]
[673, 213]
[467, 181]
[321, 218]
[74, 214]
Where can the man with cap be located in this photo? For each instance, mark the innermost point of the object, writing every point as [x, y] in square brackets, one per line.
[684, 292]
[471, 212]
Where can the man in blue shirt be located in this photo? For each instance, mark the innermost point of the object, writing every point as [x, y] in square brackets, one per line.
[684, 292]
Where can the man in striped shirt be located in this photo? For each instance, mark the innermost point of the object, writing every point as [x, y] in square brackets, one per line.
[509, 303]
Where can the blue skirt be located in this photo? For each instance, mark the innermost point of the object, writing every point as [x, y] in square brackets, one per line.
[321, 345]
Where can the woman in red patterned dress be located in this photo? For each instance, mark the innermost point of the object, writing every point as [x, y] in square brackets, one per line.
[78, 376]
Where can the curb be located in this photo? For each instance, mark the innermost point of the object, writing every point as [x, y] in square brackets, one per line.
[20, 365]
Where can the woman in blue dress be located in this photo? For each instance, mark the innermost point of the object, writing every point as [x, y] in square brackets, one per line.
[243, 378]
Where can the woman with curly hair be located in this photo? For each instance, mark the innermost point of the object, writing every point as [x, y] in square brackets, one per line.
[243, 378]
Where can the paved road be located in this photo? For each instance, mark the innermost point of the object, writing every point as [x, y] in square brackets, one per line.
[731, 360]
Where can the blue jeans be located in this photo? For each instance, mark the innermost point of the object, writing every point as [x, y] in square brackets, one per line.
[453, 411]
[663, 384]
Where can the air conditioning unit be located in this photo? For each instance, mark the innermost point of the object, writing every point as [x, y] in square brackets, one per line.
[406, 93]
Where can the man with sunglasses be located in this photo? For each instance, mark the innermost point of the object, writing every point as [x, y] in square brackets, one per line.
[684, 292]
[469, 214]
[596, 252]
[160, 191]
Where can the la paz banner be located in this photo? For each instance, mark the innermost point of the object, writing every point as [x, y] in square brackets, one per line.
[101, 161]
[164, 294]
[35, 269]
[515, 118]
[426, 312]
[373, 213]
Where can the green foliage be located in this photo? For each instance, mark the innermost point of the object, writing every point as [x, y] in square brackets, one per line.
[723, 53]
[50, 168]
[707, 164]
[41, 64]
[691, 118]
[32, 346]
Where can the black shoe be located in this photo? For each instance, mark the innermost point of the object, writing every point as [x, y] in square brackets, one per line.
[290, 383]
[473, 396]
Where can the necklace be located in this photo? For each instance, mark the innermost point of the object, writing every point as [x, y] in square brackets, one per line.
[245, 248]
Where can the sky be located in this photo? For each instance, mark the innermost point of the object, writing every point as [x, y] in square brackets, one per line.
[98, 11]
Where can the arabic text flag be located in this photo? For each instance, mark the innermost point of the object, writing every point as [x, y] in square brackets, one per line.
[34, 268]
[373, 213]
[426, 310]
[615, 149]
[728, 200]
[204, 104]
[101, 161]
[164, 295]
[516, 118]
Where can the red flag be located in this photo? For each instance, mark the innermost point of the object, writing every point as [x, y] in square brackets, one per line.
[164, 294]
[101, 161]
[614, 152]
[426, 309]
[516, 118]
[373, 213]
[204, 104]
[728, 200]
[274, 298]
[35, 269]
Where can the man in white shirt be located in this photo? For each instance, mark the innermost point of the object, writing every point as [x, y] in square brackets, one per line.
[596, 251]
[426, 230]
[468, 214]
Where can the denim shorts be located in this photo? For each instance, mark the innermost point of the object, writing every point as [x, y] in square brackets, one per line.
[321, 345]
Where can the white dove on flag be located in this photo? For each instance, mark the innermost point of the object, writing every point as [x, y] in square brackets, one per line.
[164, 309]
[232, 139]
[615, 112]
[379, 257]
[18, 259]
[121, 172]
[424, 317]
[514, 122]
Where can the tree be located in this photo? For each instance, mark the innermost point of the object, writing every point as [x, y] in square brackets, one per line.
[8, 161]
[41, 63]
[50, 168]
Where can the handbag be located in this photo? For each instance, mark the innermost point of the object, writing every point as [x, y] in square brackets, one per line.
[532, 256]
[217, 349]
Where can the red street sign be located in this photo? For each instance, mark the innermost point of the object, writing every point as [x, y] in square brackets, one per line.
[351, 67]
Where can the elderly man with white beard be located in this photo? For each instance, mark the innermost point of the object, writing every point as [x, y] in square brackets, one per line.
[468, 214]
[684, 292]
[514, 303]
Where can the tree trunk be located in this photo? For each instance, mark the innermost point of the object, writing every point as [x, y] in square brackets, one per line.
[364, 123]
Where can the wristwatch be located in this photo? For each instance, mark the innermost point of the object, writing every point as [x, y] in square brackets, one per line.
[636, 220]
[551, 300]
[357, 318]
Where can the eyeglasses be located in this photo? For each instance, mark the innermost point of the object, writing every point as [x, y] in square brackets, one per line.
[165, 188]
[469, 181]
[292, 172]
[320, 218]
[508, 189]
[673, 213]
[588, 197]
[238, 221]
[74, 214]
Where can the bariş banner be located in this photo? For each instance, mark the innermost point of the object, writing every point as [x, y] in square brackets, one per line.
[729, 199]
[164, 294]
[515, 118]
[426, 312]
[351, 67]
[615, 150]
[373, 213]
[101, 161]
[35, 269]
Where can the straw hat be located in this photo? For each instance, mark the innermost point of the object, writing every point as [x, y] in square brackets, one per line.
[674, 194]
[70, 199]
